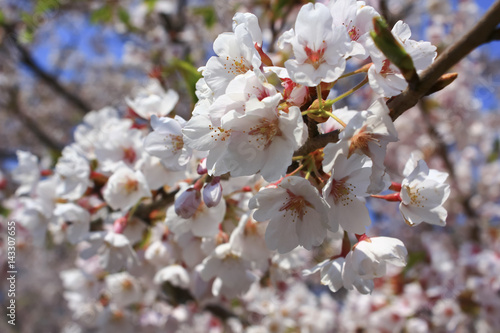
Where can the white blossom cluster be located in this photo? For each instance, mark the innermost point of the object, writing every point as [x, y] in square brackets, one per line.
[183, 216]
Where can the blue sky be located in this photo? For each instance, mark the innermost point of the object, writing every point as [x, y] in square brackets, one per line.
[81, 32]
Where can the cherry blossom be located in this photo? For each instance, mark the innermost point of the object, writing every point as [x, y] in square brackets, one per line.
[166, 142]
[230, 270]
[423, 193]
[296, 212]
[73, 170]
[153, 100]
[331, 273]
[319, 49]
[114, 250]
[244, 144]
[125, 188]
[356, 18]
[203, 222]
[75, 221]
[27, 172]
[367, 133]
[368, 260]
[236, 55]
[384, 77]
[219, 222]
[124, 289]
[345, 191]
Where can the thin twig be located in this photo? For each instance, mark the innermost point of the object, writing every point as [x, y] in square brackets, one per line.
[477, 36]
[317, 142]
[27, 59]
[31, 124]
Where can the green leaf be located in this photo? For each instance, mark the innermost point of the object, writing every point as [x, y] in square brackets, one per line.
[393, 50]
[415, 258]
[2, 17]
[278, 7]
[208, 13]
[150, 4]
[26, 35]
[124, 16]
[43, 6]
[4, 211]
[27, 18]
[102, 15]
[190, 75]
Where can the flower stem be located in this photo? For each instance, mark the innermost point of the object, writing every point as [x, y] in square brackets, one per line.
[336, 118]
[320, 96]
[296, 170]
[132, 210]
[347, 93]
[363, 69]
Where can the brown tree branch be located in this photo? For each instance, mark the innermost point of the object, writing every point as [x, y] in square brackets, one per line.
[31, 124]
[317, 142]
[27, 59]
[495, 35]
[477, 36]
[483, 32]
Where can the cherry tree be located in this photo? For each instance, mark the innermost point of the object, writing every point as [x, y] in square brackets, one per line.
[312, 174]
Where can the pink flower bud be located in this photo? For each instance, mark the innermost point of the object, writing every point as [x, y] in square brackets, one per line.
[120, 224]
[187, 203]
[212, 192]
[202, 167]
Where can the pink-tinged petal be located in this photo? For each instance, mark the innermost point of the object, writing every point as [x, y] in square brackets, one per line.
[316, 268]
[281, 233]
[390, 250]
[311, 230]
[401, 30]
[275, 166]
[200, 134]
[331, 274]
[267, 202]
[353, 217]
[206, 222]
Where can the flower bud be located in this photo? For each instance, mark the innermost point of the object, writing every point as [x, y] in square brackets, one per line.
[202, 167]
[187, 203]
[120, 224]
[212, 192]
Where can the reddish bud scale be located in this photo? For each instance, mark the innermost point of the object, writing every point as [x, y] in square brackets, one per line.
[363, 237]
[46, 172]
[156, 215]
[139, 126]
[263, 56]
[3, 183]
[155, 73]
[389, 197]
[93, 210]
[98, 177]
[131, 114]
[165, 235]
[88, 191]
[346, 246]
[395, 187]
